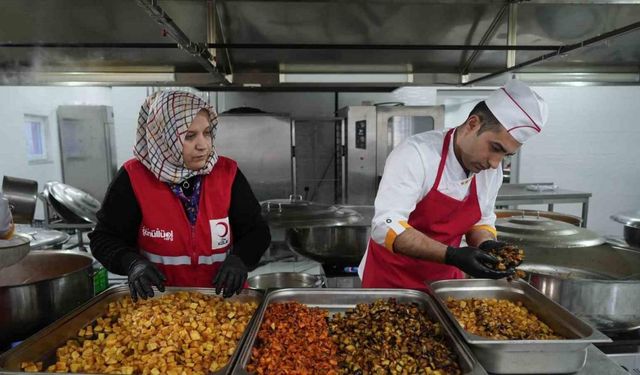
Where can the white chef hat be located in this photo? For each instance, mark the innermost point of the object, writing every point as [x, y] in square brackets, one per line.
[519, 109]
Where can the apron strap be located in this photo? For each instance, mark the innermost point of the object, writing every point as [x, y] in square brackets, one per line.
[443, 158]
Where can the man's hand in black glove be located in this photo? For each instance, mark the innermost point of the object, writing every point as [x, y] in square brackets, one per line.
[472, 261]
[143, 275]
[231, 276]
[492, 245]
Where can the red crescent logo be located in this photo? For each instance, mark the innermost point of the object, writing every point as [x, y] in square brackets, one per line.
[225, 229]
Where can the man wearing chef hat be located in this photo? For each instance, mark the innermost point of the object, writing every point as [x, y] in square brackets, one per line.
[440, 185]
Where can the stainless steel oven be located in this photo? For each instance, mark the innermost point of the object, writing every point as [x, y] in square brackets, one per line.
[371, 133]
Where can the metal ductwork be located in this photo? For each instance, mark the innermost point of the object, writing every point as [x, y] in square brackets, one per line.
[331, 44]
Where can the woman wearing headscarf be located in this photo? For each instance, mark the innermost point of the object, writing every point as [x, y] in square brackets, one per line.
[178, 214]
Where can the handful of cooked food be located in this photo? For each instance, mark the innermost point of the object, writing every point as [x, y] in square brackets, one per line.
[179, 333]
[499, 319]
[509, 257]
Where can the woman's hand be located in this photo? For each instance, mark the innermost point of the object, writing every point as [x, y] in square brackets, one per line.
[143, 275]
[231, 276]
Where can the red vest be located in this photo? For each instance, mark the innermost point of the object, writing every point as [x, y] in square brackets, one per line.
[187, 255]
[438, 216]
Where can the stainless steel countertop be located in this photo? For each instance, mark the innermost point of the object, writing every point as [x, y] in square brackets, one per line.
[599, 364]
[519, 191]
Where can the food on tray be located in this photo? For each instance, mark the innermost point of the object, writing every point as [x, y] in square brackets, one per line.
[180, 333]
[508, 256]
[388, 337]
[294, 339]
[499, 319]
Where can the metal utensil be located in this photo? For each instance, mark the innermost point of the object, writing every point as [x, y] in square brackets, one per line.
[13, 250]
[285, 280]
[23, 196]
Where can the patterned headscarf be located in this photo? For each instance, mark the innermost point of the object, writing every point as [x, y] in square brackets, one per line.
[163, 121]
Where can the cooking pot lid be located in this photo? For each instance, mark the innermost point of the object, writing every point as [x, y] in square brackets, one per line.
[76, 200]
[544, 232]
[630, 218]
[41, 237]
[296, 212]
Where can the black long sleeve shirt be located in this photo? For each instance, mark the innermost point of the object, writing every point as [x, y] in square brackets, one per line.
[113, 242]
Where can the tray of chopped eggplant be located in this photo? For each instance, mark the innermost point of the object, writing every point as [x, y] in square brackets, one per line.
[353, 331]
[513, 328]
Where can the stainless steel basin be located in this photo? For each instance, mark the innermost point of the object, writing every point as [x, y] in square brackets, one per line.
[41, 288]
[337, 244]
[600, 284]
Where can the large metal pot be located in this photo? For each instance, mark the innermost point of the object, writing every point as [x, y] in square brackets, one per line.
[632, 235]
[41, 288]
[631, 221]
[342, 245]
[600, 283]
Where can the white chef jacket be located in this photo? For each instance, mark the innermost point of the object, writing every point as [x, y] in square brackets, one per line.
[410, 172]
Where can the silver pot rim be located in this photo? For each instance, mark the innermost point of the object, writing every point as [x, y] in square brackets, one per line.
[56, 277]
[628, 218]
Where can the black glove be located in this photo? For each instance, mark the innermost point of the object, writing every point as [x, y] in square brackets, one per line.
[231, 276]
[142, 276]
[472, 261]
[492, 245]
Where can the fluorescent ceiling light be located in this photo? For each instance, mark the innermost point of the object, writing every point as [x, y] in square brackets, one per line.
[578, 78]
[87, 78]
[346, 78]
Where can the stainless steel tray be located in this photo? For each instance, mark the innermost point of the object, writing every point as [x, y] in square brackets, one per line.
[340, 300]
[42, 346]
[523, 356]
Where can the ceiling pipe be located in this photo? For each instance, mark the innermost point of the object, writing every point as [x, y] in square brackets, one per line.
[204, 46]
[485, 38]
[562, 50]
[198, 50]
[218, 18]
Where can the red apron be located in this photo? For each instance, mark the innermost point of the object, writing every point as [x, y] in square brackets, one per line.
[188, 255]
[440, 217]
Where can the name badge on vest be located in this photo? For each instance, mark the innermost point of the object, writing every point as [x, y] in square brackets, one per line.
[220, 233]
